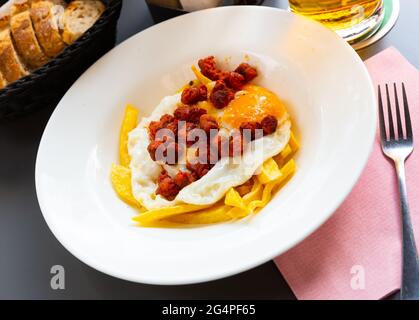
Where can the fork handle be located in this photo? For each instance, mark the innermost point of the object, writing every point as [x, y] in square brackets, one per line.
[410, 276]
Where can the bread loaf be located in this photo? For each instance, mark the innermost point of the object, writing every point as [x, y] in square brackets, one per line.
[79, 16]
[45, 23]
[10, 65]
[25, 40]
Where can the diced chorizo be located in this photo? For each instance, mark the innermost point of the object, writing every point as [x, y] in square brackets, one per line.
[221, 95]
[171, 153]
[165, 120]
[209, 69]
[183, 131]
[198, 169]
[167, 187]
[167, 134]
[166, 152]
[236, 146]
[213, 156]
[202, 152]
[189, 113]
[223, 146]
[269, 124]
[173, 126]
[163, 175]
[194, 94]
[235, 80]
[183, 179]
[250, 131]
[152, 148]
[207, 122]
[218, 148]
[196, 137]
[153, 127]
[211, 151]
[247, 71]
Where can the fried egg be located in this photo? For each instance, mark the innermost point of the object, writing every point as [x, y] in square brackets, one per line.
[252, 103]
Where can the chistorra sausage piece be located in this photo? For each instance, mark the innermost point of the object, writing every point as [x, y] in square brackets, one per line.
[194, 94]
[221, 95]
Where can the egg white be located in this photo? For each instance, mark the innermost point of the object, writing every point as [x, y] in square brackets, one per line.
[225, 174]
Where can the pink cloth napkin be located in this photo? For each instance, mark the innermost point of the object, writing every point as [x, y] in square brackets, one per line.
[356, 254]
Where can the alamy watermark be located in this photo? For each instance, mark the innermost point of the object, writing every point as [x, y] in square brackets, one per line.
[358, 277]
[57, 281]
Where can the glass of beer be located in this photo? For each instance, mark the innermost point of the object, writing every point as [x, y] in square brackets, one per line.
[351, 19]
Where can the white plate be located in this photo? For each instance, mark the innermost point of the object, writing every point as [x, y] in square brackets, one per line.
[320, 78]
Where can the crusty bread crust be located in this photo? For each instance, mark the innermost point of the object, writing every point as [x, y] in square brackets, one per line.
[4, 22]
[46, 28]
[10, 64]
[91, 11]
[5, 15]
[25, 40]
[3, 82]
[19, 6]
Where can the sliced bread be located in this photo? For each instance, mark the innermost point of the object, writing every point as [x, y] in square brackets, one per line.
[79, 16]
[25, 40]
[5, 15]
[45, 22]
[4, 22]
[3, 82]
[10, 65]
[19, 6]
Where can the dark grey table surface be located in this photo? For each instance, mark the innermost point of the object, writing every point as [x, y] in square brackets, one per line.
[28, 249]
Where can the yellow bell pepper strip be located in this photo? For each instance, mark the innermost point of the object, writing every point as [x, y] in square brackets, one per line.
[269, 172]
[167, 212]
[129, 123]
[202, 79]
[121, 181]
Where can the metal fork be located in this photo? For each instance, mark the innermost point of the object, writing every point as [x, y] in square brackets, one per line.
[398, 148]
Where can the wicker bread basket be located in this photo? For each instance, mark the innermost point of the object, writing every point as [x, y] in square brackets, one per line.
[46, 85]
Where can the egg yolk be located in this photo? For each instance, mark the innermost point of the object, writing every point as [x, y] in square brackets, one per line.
[253, 104]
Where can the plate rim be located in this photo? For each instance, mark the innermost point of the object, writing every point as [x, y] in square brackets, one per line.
[328, 213]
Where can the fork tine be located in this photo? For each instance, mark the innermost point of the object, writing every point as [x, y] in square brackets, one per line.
[390, 116]
[399, 118]
[409, 133]
[381, 116]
